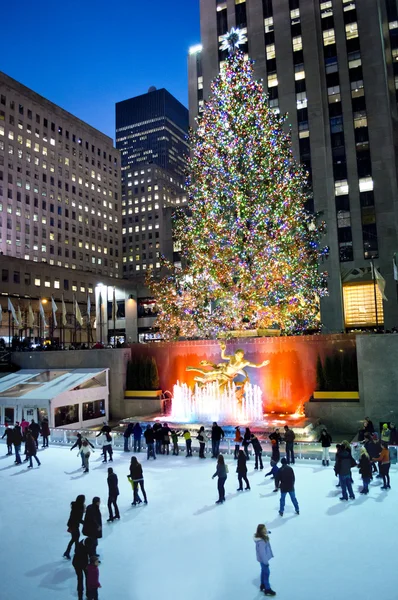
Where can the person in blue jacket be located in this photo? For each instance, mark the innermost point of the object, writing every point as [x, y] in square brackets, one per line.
[264, 555]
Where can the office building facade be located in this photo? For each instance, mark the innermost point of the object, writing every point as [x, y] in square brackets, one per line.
[332, 65]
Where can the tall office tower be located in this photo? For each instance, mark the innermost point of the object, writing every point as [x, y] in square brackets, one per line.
[151, 134]
[332, 66]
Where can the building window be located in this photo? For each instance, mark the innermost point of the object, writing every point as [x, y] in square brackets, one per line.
[366, 184]
[329, 37]
[65, 415]
[93, 410]
[351, 31]
[272, 80]
[270, 50]
[359, 305]
[37, 281]
[341, 187]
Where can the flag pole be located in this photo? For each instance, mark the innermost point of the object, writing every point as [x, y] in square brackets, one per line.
[100, 315]
[374, 292]
[114, 317]
[74, 311]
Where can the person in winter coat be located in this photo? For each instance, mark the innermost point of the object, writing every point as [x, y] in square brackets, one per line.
[393, 435]
[285, 479]
[78, 444]
[150, 442]
[113, 492]
[275, 453]
[264, 555]
[247, 438]
[92, 526]
[157, 431]
[31, 450]
[237, 440]
[93, 583]
[241, 470]
[368, 426]
[188, 442]
[221, 473]
[137, 433]
[85, 454]
[127, 434]
[290, 436]
[107, 447]
[202, 439]
[373, 448]
[174, 439]
[216, 435]
[325, 439]
[385, 434]
[343, 465]
[17, 441]
[104, 429]
[136, 478]
[9, 435]
[24, 428]
[77, 509]
[45, 432]
[384, 462]
[274, 472]
[34, 429]
[275, 435]
[258, 451]
[165, 431]
[80, 563]
[365, 470]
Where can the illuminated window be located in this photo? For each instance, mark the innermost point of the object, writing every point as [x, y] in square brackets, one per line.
[359, 305]
[360, 120]
[272, 82]
[269, 25]
[393, 25]
[301, 100]
[341, 187]
[366, 184]
[297, 43]
[329, 37]
[37, 281]
[351, 31]
[299, 72]
[270, 50]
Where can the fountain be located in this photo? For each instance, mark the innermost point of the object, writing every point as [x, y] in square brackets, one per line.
[210, 402]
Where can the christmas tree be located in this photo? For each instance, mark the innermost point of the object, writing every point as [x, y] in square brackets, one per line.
[250, 249]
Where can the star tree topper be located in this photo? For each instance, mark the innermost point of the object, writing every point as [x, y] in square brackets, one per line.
[233, 39]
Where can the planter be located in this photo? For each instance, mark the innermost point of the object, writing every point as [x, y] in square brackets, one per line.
[142, 393]
[350, 396]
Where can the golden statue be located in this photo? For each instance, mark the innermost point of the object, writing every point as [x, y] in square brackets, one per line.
[225, 373]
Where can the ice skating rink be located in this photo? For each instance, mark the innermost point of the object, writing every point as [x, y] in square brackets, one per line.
[185, 547]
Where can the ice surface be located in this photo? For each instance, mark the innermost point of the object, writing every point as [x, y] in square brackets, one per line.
[184, 547]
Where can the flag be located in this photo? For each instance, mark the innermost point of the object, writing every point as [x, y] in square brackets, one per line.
[55, 308]
[114, 305]
[19, 315]
[43, 316]
[381, 282]
[63, 312]
[12, 310]
[395, 266]
[88, 309]
[78, 314]
[31, 317]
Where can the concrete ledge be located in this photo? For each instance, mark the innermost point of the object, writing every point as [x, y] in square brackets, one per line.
[336, 396]
[142, 393]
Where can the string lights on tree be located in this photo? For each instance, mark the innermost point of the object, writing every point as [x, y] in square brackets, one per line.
[250, 250]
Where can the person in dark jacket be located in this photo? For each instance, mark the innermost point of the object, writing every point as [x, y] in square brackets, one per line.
[137, 432]
[34, 429]
[202, 438]
[275, 435]
[92, 526]
[258, 451]
[136, 478]
[104, 429]
[150, 441]
[31, 450]
[275, 453]
[241, 470]
[17, 441]
[77, 509]
[290, 436]
[373, 448]
[165, 432]
[285, 480]
[365, 470]
[394, 435]
[216, 435]
[343, 465]
[9, 435]
[157, 432]
[113, 492]
[325, 439]
[221, 473]
[78, 444]
[45, 432]
[247, 438]
[80, 563]
[107, 447]
[127, 434]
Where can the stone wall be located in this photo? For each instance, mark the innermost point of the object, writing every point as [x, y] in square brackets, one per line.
[115, 360]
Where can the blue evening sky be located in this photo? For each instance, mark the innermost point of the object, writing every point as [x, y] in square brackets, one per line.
[86, 55]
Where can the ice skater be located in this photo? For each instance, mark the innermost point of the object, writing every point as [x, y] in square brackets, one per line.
[258, 451]
[285, 480]
[274, 473]
[264, 555]
[78, 444]
[174, 439]
[17, 441]
[384, 461]
[31, 450]
[237, 440]
[34, 429]
[85, 454]
[202, 439]
[136, 479]
[289, 436]
[343, 465]
[45, 432]
[241, 470]
[365, 470]
[325, 439]
[113, 492]
[188, 443]
[92, 526]
[127, 434]
[77, 508]
[246, 442]
[149, 436]
[221, 473]
[93, 583]
[80, 564]
[217, 434]
[137, 433]
[107, 447]
[8, 434]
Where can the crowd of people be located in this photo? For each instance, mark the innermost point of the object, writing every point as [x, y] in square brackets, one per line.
[28, 434]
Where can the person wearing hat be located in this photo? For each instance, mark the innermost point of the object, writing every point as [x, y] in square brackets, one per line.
[285, 479]
[385, 433]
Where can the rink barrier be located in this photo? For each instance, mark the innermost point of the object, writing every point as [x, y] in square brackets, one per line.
[302, 449]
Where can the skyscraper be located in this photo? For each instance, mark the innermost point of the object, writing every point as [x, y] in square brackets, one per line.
[332, 66]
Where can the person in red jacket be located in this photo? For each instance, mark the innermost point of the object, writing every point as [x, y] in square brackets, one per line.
[93, 583]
